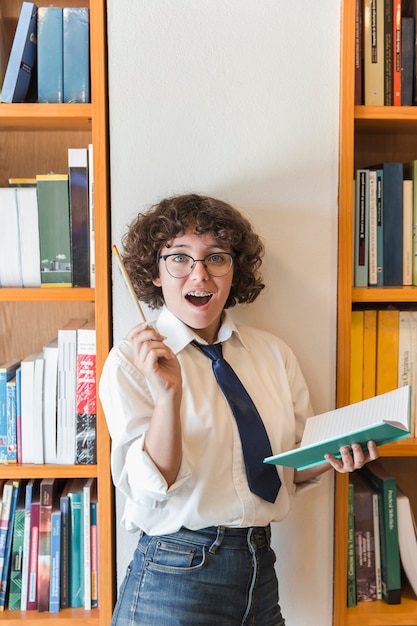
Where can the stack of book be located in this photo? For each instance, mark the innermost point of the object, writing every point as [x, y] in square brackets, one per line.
[47, 227]
[48, 544]
[384, 354]
[385, 242]
[385, 63]
[49, 58]
[48, 401]
[381, 537]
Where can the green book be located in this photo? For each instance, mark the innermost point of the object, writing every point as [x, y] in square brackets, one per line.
[351, 576]
[382, 419]
[386, 487]
[76, 552]
[54, 230]
[15, 589]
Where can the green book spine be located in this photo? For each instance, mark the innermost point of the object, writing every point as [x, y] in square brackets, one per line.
[54, 229]
[15, 591]
[351, 575]
[76, 582]
[386, 487]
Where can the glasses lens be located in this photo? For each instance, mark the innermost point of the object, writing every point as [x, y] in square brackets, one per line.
[181, 265]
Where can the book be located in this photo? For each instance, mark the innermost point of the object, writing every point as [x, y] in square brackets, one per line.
[47, 496]
[5, 516]
[358, 53]
[86, 395]
[76, 54]
[31, 488]
[364, 539]
[383, 419]
[91, 213]
[76, 552]
[8, 546]
[386, 487]
[50, 355]
[407, 538]
[377, 546]
[388, 53]
[393, 224]
[407, 60]
[38, 402]
[15, 589]
[351, 557]
[10, 269]
[50, 55]
[22, 59]
[369, 353]
[27, 372]
[356, 356]
[54, 229]
[94, 547]
[88, 494]
[64, 505]
[387, 350]
[66, 410]
[7, 372]
[19, 414]
[410, 171]
[32, 593]
[55, 572]
[361, 251]
[407, 355]
[79, 215]
[12, 420]
[380, 227]
[373, 43]
[372, 245]
[27, 211]
[407, 232]
[397, 44]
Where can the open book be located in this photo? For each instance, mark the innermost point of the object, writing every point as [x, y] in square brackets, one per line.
[383, 419]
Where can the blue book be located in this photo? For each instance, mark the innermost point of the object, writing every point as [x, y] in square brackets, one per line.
[361, 247]
[8, 546]
[50, 51]
[7, 372]
[65, 547]
[55, 573]
[19, 413]
[11, 420]
[22, 59]
[76, 54]
[393, 224]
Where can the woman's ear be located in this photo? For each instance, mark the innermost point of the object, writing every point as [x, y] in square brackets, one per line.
[156, 281]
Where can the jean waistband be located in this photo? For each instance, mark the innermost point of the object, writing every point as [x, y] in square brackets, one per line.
[215, 537]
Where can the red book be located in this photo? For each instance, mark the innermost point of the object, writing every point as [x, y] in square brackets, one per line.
[86, 395]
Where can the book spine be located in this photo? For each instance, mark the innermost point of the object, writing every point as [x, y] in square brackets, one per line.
[407, 232]
[351, 562]
[65, 547]
[44, 548]
[79, 212]
[8, 547]
[377, 545]
[76, 586]
[4, 521]
[15, 592]
[26, 546]
[76, 54]
[374, 52]
[369, 353]
[94, 555]
[380, 227]
[50, 51]
[393, 224]
[86, 397]
[373, 267]
[55, 577]
[397, 15]
[387, 351]
[11, 421]
[356, 356]
[361, 229]
[32, 600]
[388, 52]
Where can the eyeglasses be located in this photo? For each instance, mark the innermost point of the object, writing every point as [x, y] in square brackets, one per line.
[181, 265]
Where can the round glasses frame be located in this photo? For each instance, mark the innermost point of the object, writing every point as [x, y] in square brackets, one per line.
[206, 262]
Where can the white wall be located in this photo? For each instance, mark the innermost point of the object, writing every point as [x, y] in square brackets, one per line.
[239, 98]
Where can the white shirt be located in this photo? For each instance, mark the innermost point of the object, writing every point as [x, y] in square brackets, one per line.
[211, 488]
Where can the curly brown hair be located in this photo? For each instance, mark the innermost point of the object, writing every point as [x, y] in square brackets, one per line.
[149, 232]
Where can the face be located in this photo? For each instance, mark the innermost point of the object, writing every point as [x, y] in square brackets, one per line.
[198, 299]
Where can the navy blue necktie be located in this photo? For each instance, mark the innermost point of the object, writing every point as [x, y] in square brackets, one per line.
[263, 479]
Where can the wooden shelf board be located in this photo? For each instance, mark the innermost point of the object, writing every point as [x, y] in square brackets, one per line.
[47, 294]
[45, 116]
[30, 470]
[65, 617]
[384, 294]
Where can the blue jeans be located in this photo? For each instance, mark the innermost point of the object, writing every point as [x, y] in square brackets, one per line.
[216, 576]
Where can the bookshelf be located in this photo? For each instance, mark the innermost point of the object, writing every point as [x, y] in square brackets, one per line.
[367, 135]
[34, 138]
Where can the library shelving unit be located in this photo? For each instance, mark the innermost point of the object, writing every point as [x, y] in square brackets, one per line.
[34, 138]
[367, 135]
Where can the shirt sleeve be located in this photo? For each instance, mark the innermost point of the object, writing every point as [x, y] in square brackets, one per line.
[128, 405]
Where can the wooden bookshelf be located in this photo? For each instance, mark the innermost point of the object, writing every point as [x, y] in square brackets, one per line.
[34, 138]
[367, 135]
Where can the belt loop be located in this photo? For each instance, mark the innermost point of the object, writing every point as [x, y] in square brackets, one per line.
[218, 541]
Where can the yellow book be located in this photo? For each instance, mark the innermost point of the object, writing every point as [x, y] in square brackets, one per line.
[369, 354]
[387, 351]
[356, 356]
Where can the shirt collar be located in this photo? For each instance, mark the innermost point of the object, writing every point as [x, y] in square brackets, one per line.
[179, 335]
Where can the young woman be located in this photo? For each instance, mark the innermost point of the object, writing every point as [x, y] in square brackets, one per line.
[203, 555]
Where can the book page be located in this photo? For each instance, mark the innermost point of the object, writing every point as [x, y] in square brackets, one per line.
[392, 407]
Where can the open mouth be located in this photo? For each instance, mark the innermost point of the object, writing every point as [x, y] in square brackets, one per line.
[199, 298]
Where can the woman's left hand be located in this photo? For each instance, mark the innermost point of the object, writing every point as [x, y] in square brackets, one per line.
[353, 457]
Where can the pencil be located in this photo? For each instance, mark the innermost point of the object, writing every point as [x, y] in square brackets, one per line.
[128, 282]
